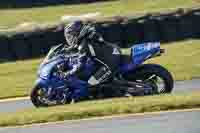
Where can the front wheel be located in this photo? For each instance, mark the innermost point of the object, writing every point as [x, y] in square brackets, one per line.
[155, 75]
[40, 98]
[36, 96]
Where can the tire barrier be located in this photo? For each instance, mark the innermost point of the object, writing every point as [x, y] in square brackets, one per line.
[125, 31]
[41, 3]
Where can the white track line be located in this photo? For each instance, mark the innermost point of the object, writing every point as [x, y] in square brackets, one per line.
[107, 117]
[14, 99]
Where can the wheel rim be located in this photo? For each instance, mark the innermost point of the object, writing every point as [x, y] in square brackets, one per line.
[157, 83]
[42, 97]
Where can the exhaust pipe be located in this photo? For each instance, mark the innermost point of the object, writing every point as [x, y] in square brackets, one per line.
[162, 51]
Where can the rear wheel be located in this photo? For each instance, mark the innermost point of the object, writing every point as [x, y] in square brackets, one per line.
[155, 75]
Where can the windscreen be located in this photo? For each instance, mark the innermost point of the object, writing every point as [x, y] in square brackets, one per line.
[54, 52]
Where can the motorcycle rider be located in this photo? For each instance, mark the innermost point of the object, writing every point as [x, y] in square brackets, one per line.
[84, 40]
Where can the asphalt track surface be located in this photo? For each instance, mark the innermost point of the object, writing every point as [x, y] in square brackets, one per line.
[18, 105]
[174, 122]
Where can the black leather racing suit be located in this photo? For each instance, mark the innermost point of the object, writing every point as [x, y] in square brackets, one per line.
[107, 55]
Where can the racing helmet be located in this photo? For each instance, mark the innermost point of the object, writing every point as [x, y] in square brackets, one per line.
[72, 31]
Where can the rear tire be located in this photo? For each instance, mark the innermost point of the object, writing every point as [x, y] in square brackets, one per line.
[147, 70]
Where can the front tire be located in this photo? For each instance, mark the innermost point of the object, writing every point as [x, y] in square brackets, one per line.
[149, 73]
[39, 98]
[35, 97]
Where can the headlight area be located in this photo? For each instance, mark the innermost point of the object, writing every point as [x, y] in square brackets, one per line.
[60, 71]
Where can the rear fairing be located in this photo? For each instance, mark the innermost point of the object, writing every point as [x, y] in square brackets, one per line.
[142, 52]
[139, 54]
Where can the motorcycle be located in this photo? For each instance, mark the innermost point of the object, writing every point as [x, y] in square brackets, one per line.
[133, 78]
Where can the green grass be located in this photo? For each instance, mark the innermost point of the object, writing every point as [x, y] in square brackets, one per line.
[12, 17]
[182, 59]
[17, 78]
[101, 108]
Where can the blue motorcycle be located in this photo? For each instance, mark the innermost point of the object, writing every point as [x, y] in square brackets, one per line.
[133, 78]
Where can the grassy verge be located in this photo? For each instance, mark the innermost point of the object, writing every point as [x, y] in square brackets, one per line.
[17, 78]
[101, 108]
[118, 7]
[182, 59]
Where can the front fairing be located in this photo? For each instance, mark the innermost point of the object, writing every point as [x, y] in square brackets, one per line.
[46, 68]
[54, 57]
